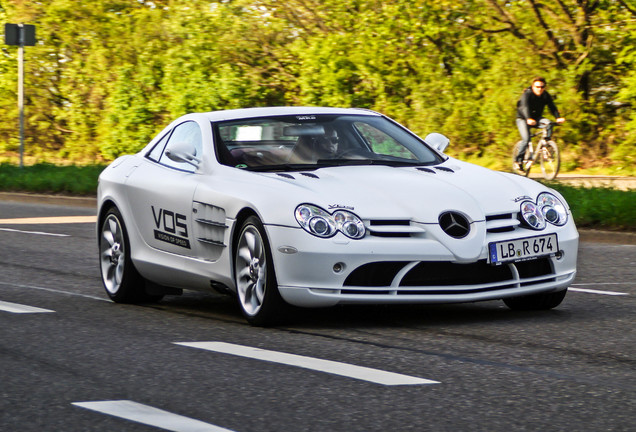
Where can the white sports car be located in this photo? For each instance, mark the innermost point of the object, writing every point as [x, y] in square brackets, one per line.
[321, 206]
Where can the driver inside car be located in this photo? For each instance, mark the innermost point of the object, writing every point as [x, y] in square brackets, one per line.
[327, 145]
[310, 149]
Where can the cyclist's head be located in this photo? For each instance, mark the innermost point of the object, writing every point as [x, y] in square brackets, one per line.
[538, 85]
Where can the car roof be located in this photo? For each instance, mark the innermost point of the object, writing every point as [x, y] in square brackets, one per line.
[242, 113]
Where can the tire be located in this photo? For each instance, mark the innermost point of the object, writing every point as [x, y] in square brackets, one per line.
[521, 171]
[542, 301]
[550, 160]
[122, 282]
[255, 278]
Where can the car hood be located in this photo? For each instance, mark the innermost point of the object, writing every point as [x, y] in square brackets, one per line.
[420, 194]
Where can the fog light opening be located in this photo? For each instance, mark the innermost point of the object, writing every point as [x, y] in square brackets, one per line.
[338, 267]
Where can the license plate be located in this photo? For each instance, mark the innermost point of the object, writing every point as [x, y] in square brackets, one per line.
[522, 249]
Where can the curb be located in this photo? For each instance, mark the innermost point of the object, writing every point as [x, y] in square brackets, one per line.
[62, 200]
[611, 237]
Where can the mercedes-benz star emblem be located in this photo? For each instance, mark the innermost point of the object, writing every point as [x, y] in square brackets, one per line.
[454, 224]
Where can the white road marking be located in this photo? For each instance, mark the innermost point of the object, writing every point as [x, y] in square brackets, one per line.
[34, 232]
[18, 308]
[49, 220]
[351, 371]
[55, 291]
[591, 291]
[148, 415]
[603, 283]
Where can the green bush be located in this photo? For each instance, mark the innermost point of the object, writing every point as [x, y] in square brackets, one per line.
[49, 178]
[601, 208]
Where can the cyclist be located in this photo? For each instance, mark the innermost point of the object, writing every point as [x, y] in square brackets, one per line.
[530, 110]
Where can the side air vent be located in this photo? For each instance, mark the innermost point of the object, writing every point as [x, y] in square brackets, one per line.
[210, 228]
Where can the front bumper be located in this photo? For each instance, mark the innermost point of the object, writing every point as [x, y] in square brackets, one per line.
[314, 272]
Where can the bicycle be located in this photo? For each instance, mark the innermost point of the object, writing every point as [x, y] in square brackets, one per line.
[547, 153]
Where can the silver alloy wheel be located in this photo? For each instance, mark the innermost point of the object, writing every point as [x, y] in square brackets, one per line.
[112, 254]
[251, 270]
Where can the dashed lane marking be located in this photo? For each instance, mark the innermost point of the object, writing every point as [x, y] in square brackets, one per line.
[14, 285]
[34, 232]
[592, 291]
[151, 416]
[332, 367]
[18, 308]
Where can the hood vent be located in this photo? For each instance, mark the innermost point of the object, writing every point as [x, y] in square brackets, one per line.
[289, 176]
[444, 169]
[312, 175]
[426, 170]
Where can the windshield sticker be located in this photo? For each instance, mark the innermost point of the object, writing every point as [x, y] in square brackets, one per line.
[171, 227]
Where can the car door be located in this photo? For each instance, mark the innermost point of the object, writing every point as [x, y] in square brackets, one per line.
[161, 190]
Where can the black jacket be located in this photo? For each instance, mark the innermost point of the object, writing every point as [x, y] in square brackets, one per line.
[531, 105]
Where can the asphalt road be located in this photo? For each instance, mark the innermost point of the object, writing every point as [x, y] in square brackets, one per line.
[81, 362]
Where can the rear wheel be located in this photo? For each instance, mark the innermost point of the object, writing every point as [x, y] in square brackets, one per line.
[121, 280]
[258, 295]
[542, 301]
[550, 160]
[521, 171]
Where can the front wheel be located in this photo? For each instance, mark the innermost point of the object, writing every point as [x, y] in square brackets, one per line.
[121, 280]
[550, 160]
[258, 295]
[541, 301]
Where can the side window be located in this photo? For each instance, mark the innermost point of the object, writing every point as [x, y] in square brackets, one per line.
[156, 151]
[190, 133]
[381, 143]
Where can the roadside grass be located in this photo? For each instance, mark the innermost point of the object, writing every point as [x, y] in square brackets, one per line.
[599, 208]
[49, 178]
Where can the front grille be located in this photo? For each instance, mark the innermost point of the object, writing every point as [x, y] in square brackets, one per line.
[375, 274]
[446, 273]
[504, 222]
[394, 228]
[433, 277]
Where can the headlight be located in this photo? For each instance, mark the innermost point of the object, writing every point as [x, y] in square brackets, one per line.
[532, 215]
[320, 223]
[547, 209]
[552, 209]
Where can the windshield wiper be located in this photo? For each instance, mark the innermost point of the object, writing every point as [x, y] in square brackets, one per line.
[282, 167]
[327, 163]
[385, 162]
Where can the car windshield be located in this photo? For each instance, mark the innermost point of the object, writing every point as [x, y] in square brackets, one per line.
[288, 143]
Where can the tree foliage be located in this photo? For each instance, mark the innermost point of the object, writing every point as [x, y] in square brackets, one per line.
[107, 75]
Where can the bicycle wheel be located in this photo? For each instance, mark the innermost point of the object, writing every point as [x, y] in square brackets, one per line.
[550, 160]
[515, 151]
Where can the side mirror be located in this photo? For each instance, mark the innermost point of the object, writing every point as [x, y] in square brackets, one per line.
[437, 141]
[183, 152]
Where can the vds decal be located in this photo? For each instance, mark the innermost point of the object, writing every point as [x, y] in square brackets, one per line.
[171, 227]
